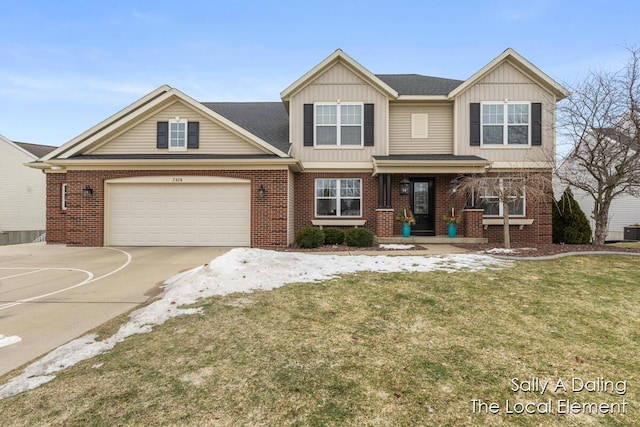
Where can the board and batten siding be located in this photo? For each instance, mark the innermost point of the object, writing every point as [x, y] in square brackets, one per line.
[440, 128]
[507, 82]
[140, 137]
[338, 83]
[22, 191]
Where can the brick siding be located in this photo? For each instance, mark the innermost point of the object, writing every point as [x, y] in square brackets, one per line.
[82, 224]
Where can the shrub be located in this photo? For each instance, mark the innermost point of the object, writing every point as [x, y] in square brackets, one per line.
[359, 237]
[310, 237]
[570, 224]
[333, 236]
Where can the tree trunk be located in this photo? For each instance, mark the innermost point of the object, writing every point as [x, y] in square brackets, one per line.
[601, 217]
[505, 217]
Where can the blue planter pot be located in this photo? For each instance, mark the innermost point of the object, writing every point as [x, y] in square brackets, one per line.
[452, 229]
[406, 229]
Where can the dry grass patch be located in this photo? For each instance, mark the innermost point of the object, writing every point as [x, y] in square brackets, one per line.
[368, 349]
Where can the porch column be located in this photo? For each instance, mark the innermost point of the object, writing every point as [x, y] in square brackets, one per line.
[381, 204]
[388, 199]
[473, 222]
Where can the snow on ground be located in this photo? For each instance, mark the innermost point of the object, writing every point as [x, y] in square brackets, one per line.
[395, 246]
[5, 341]
[500, 251]
[239, 270]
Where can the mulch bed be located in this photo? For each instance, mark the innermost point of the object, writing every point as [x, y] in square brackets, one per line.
[547, 249]
[518, 250]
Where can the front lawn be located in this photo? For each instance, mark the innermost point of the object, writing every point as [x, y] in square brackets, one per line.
[394, 349]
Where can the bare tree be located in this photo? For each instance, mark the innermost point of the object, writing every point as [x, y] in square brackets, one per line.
[506, 193]
[601, 118]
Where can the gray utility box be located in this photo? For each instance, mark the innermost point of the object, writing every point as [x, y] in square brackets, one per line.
[632, 233]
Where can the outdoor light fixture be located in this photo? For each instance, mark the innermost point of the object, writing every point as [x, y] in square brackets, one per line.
[404, 187]
[453, 185]
[87, 191]
[261, 191]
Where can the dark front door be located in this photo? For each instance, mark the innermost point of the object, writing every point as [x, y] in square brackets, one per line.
[422, 205]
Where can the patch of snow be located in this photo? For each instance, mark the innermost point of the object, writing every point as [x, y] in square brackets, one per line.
[395, 246]
[240, 270]
[6, 341]
[501, 251]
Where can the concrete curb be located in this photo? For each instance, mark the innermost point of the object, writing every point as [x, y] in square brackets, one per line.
[564, 254]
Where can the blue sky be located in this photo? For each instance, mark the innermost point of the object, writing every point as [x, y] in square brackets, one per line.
[67, 65]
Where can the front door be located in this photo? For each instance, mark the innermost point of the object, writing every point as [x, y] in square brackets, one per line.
[423, 206]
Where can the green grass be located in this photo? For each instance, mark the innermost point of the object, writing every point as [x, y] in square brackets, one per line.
[369, 349]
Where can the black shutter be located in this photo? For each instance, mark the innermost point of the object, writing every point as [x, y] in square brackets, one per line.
[368, 125]
[193, 134]
[474, 118]
[308, 125]
[536, 123]
[162, 135]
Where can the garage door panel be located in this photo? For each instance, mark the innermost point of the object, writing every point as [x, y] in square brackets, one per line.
[179, 215]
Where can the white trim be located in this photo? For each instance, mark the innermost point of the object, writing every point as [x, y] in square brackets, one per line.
[521, 222]
[63, 196]
[339, 222]
[177, 179]
[513, 56]
[151, 96]
[149, 102]
[501, 204]
[338, 124]
[337, 56]
[337, 198]
[505, 124]
[175, 122]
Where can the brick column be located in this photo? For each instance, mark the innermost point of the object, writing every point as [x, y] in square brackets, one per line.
[473, 223]
[384, 222]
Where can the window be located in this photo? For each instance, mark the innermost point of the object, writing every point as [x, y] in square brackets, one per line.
[338, 197]
[501, 188]
[178, 134]
[506, 124]
[63, 197]
[338, 124]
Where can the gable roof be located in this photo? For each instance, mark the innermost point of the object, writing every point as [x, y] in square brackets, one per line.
[523, 65]
[416, 84]
[37, 150]
[34, 150]
[267, 120]
[163, 95]
[338, 56]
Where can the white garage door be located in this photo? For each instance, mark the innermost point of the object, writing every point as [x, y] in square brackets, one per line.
[181, 214]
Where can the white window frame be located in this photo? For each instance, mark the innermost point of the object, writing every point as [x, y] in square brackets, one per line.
[63, 196]
[505, 125]
[338, 198]
[338, 125]
[175, 122]
[500, 213]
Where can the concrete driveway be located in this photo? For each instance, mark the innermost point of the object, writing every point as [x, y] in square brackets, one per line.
[51, 294]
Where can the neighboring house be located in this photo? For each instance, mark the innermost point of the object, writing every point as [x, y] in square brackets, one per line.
[169, 170]
[22, 192]
[624, 209]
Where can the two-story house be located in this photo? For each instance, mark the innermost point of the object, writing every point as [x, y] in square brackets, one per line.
[345, 147]
[22, 192]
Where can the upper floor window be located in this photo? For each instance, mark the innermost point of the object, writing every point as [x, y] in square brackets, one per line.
[178, 134]
[506, 124]
[338, 124]
[338, 197]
